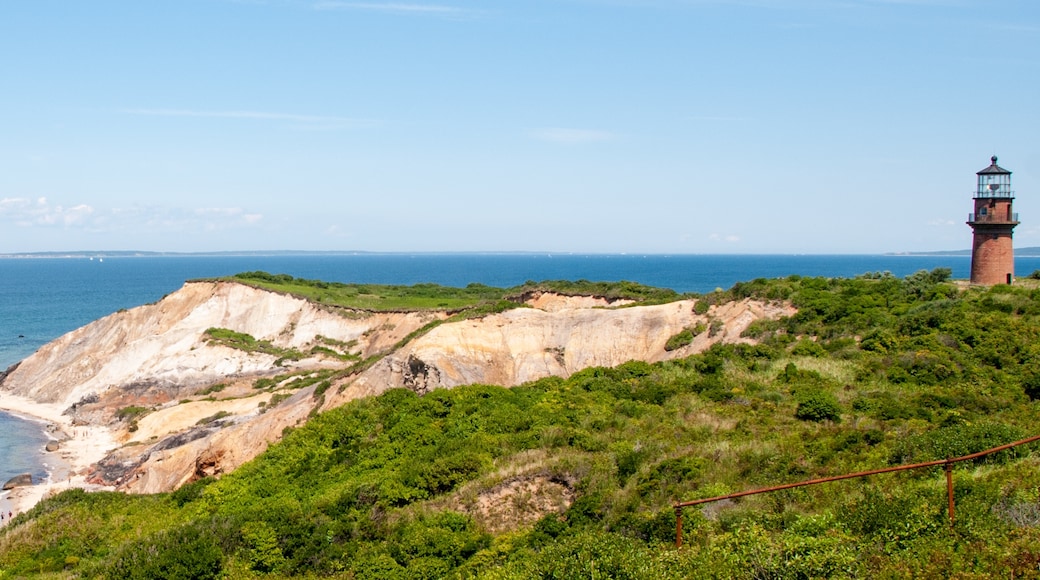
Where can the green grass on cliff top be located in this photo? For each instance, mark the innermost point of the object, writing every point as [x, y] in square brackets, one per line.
[381, 297]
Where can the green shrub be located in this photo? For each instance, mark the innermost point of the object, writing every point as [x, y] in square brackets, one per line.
[321, 388]
[276, 399]
[244, 342]
[190, 552]
[131, 412]
[715, 327]
[817, 405]
[677, 341]
[446, 472]
[377, 564]
[190, 492]
[439, 542]
[260, 541]
[628, 459]
[590, 554]
[878, 340]
[792, 375]
[896, 519]
[761, 328]
[212, 389]
[672, 477]
[214, 417]
[807, 347]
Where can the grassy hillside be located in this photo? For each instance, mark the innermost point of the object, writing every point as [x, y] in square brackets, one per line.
[872, 372]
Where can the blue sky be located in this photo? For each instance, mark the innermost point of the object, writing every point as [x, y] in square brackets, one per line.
[654, 126]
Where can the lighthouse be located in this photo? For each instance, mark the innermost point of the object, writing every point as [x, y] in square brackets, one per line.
[992, 255]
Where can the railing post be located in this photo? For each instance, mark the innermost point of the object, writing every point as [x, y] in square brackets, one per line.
[949, 488]
[678, 527]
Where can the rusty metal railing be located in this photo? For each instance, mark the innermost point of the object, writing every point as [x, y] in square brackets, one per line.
[947, 463]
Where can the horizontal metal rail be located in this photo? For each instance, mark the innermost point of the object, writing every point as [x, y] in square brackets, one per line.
[947, 463]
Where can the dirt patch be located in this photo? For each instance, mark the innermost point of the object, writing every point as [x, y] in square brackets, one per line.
[518, 502]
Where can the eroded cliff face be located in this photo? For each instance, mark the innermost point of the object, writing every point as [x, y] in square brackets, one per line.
[160, 352]
[197, 411]
[526, 344]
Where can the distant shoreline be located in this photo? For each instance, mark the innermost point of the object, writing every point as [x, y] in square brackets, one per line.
[145, 254]
[1019, 252]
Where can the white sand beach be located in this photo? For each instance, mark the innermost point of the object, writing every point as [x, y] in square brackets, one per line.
[80, 447]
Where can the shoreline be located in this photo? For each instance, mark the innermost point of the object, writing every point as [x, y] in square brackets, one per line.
[80, 446]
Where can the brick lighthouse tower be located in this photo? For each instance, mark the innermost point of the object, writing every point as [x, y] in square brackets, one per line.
[992, 255]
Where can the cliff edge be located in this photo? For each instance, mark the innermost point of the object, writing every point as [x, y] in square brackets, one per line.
[182, 404]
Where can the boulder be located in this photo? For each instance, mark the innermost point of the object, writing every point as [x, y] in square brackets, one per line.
[52, 445]
[18, 481]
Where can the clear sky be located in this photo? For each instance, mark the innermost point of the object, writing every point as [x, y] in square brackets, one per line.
[641, 126]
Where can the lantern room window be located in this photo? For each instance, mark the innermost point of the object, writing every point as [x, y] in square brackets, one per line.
[994, 182]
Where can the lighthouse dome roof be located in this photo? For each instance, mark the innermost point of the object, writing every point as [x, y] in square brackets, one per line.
[994, 168]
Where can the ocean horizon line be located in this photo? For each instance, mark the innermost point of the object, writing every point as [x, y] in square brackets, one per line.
[1032, 251]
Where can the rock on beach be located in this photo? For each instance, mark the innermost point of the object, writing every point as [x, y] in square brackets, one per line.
[18, 481]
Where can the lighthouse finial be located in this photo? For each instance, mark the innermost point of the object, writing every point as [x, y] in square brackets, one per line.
[993, 159]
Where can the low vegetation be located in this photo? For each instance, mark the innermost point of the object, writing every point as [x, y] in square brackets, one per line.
[487, 299]
[213, 418]
[131, 413]
[871, 372]
[246, 343]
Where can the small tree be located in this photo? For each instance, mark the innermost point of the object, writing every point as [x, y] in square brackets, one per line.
[816, 405]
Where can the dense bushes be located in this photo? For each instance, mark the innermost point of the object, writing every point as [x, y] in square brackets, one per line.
[190, 552]
[957, 441]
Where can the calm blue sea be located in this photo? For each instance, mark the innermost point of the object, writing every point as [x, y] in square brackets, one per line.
[43, 298]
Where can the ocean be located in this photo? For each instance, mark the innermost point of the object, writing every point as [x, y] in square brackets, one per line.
[43, 298]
